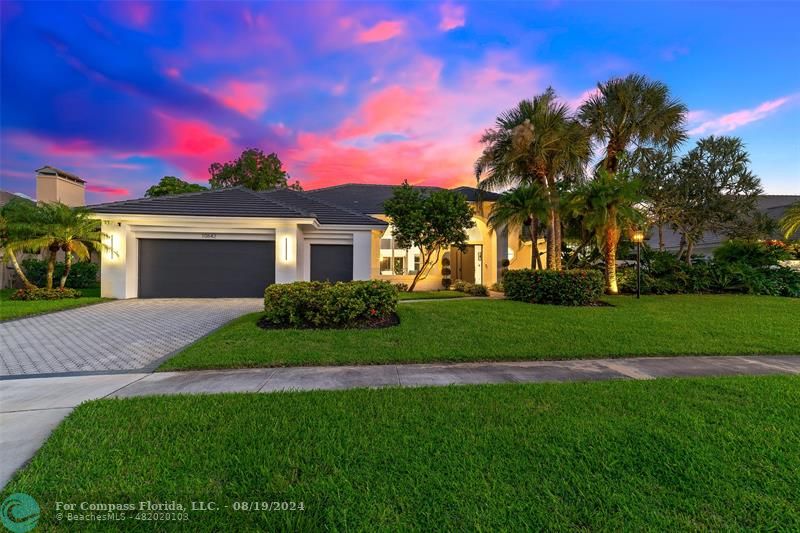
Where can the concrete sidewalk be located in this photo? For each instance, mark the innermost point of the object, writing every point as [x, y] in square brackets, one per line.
[31, 408]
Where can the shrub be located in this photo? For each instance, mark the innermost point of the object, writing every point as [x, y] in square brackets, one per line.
[754, 254]
[472, 289]
[497, 287]
[82, 274]
[319, 304]
[559, 287]
[401, 287]
[45, 294]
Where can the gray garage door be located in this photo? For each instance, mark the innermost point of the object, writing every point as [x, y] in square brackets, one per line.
[331, 262]
[173, 268]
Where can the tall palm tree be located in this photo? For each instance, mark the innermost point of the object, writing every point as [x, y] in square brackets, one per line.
[523, 206]
[790, 221]
[606, 205]
[18, 227]
[633, 112]
[67, 229]
[535, 141]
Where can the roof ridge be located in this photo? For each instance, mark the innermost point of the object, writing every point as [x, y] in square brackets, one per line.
[260, 194]
[336, 206]
[178, 195]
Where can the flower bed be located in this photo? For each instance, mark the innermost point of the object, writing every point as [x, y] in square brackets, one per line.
[323, 305]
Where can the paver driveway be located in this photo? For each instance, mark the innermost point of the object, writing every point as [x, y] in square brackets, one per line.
[113, 336]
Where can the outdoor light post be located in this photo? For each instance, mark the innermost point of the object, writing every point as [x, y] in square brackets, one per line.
[638, 237]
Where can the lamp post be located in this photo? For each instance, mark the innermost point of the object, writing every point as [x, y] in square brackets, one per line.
[638, 237]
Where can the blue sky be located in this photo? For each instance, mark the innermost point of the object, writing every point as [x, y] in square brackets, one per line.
[123, 93]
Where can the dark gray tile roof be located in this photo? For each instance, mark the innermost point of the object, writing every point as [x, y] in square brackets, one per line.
[369, 198]
[6, 197]
[239, 202]
[53, 171]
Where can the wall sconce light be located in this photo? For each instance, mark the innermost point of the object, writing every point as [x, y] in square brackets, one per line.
[286, 249]
[111, 246]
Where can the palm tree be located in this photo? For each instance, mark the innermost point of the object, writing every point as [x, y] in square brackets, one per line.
[68, 229]
[606, 205]
[523, 206]
[790, 221]
[17, 228]
[536, 141]
[633, 111]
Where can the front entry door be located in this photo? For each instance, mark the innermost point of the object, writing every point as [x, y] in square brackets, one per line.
[468, 265]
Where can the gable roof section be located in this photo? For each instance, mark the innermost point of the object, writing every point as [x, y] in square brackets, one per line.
[239, 202]
[369, 198]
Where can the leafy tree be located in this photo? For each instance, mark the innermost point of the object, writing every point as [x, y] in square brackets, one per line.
[790, 221]
[536, 141]
[171, 185]
[431, 222]
[254, 170]
[656, 173]
[714, 191]
[606, 205]
[56, 226]
[633, 112]
[522, 207]
[17, 228]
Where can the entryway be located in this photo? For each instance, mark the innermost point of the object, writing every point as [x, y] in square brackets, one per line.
[467, 265]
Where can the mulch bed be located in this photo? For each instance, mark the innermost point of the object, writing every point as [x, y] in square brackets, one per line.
[386, 322]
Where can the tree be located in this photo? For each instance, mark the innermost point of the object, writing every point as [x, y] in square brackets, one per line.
[606, 205]
[17, 229]
[253, 170]
[536, 141]
[656, 172]
[430, 222]
[633, 112]
[171, 185]
[523, 206]
[59, 227]
[714, 191]
[790, 221]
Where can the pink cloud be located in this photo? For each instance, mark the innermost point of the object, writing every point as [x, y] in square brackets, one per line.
[134, 13]
[382, 31]
[110, 191]
[172, 72]
[249, 99]
[452, 16]
[737, 119]
[575, 103]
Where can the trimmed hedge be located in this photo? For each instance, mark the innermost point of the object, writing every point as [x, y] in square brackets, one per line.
[473, 289]
[45, 294]
[319, 304]
[83, 274]
[557, 287]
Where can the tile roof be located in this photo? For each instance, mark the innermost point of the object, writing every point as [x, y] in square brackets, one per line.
[239, 202]
[47, 170]
[369, 198]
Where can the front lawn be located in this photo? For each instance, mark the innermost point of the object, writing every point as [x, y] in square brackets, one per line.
[474, 330]
[664, 455]
[17, 309]
[430, 295]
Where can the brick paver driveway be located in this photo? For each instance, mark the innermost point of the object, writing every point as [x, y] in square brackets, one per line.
[113, 336]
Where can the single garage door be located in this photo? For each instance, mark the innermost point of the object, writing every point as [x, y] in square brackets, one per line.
[183, 268]
[331, 262]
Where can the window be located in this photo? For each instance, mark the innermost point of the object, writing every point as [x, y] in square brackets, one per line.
[396, 261]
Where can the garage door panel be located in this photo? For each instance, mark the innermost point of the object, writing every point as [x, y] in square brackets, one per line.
[331, 262]
[186, 268]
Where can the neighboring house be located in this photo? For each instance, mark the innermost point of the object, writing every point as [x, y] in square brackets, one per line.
[234, 242]
[772, 205]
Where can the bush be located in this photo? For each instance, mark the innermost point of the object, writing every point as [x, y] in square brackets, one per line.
[45, 294]
[497, 287]
[754, 254]
[319, 304]
[83, 274]
[472, 289]
[401, 287]
[558, 287]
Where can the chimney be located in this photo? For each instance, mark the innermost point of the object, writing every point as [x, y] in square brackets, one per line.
[55, 185]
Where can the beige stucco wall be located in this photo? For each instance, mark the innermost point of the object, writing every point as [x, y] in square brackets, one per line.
[57, 189]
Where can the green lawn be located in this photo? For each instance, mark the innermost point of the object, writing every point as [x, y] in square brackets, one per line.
[430, 295]
[472, 330]
[664, 455]
[18, 309]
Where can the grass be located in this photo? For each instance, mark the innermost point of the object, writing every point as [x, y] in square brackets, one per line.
[473, 330]
[17, 309]
[430, 295]
[664, 455]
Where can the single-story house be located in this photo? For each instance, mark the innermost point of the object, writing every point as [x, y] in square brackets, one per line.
[234, 242]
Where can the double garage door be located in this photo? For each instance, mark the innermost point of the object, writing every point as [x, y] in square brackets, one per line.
[191, 268]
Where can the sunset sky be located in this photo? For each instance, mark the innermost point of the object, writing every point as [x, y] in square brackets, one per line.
[123, 93]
